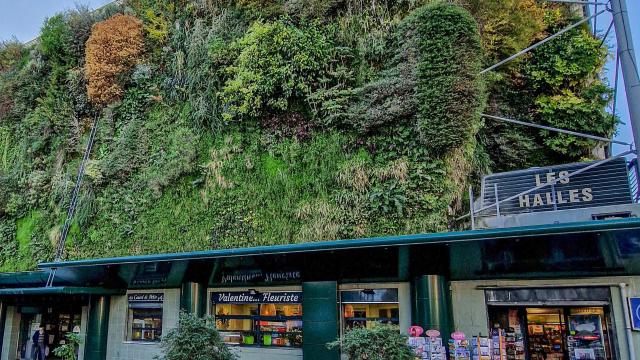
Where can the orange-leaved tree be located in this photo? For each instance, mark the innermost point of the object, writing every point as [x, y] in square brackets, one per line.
[114, 47]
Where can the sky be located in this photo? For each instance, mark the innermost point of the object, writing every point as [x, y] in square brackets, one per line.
[23, 19]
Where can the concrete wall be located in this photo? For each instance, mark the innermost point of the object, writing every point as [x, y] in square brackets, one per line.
[470, 310]
[117, 347]
[261, 353]
[11, 330]
[84, 317]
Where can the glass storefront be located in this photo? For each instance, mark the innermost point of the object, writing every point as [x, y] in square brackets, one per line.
[57, 322]
[252, 318]
[144, 320]
[366, 307]
[554, 332]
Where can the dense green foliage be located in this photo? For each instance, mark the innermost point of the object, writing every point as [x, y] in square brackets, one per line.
[194, 339]
[68, 350]
[242, 123]
[382, 342]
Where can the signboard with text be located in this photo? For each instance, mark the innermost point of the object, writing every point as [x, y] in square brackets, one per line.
[606, 184]
[146, 297]
[253, 276]
[634, 312]
[248, 297]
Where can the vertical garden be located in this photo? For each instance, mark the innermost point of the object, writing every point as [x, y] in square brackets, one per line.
[232, 123]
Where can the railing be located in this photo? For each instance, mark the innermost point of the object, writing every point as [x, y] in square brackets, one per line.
[493, 198]
[634, 180]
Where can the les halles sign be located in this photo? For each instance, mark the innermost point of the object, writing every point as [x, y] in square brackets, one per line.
[607, 184]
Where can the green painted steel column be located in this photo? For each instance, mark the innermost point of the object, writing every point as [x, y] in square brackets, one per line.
[193, 298]
[403, 263]
[3, 318]
[431, 304]
[319, 320]
[97, 329]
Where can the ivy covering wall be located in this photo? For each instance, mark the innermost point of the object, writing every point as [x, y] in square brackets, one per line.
[241, 123]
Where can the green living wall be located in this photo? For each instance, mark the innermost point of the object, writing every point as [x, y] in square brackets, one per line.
[242, 123]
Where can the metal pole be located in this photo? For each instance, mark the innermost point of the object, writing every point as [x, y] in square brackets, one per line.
[522, 52]
[628, 65]
[473, 220]
[551, 128]
[495, 192]
[625, 308]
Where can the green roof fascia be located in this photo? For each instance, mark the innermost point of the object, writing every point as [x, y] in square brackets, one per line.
[23, 278]
[61, 290]
[400, 240]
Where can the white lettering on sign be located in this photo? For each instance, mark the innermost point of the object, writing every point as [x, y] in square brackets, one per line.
[257, 297]
[570, 196]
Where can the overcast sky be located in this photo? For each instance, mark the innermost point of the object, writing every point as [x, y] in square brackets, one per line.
[23, 19]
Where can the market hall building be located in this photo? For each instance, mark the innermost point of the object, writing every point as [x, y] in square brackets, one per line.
[554, 271]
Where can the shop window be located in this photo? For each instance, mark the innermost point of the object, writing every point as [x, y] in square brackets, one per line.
[270, 319]
[144, 320]
[366, 307]
[553, 333]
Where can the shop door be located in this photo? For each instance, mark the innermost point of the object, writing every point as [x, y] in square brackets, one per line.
[28, 322]
[58, 322]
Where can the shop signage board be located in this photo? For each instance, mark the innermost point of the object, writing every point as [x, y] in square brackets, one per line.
[146, 297]
[606, 184]
[260, 276]
[255, 297]
[634, 312]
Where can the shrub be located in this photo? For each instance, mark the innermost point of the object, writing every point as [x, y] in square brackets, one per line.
[11, 53]
[382, 342]
[450, 92]
[278, 66]
[584, 112]
[570, 60]
[68, 350]
[194, 339]
[114, 47]
[54, 37]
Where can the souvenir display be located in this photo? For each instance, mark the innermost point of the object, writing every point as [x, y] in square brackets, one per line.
[459, 347]
[585, 341]
[481, 348]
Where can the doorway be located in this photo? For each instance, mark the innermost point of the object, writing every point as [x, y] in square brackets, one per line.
[58, 321]
[554, 333]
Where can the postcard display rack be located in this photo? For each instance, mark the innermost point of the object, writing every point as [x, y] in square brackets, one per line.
[507, 345]
[429, 347]
[481, 348]
[459, 347]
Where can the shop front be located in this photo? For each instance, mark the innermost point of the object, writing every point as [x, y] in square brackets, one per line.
[537, 287]
[553, 324]
[57, 321]
[268, 318]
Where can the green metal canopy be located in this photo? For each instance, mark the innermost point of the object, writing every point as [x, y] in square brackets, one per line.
[401, 240]
[61, 290]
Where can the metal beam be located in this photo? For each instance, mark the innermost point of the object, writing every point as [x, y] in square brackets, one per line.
[550, 128]
[522, 52]
[628, 65]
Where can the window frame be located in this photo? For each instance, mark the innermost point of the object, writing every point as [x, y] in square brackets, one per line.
[156, 304]
[256, 319]
[362, 287]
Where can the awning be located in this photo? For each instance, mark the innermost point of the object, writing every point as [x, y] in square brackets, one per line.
[61, 290]
[400, 240]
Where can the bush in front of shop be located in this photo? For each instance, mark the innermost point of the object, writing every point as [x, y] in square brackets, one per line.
[194, 339]
[382, 342]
